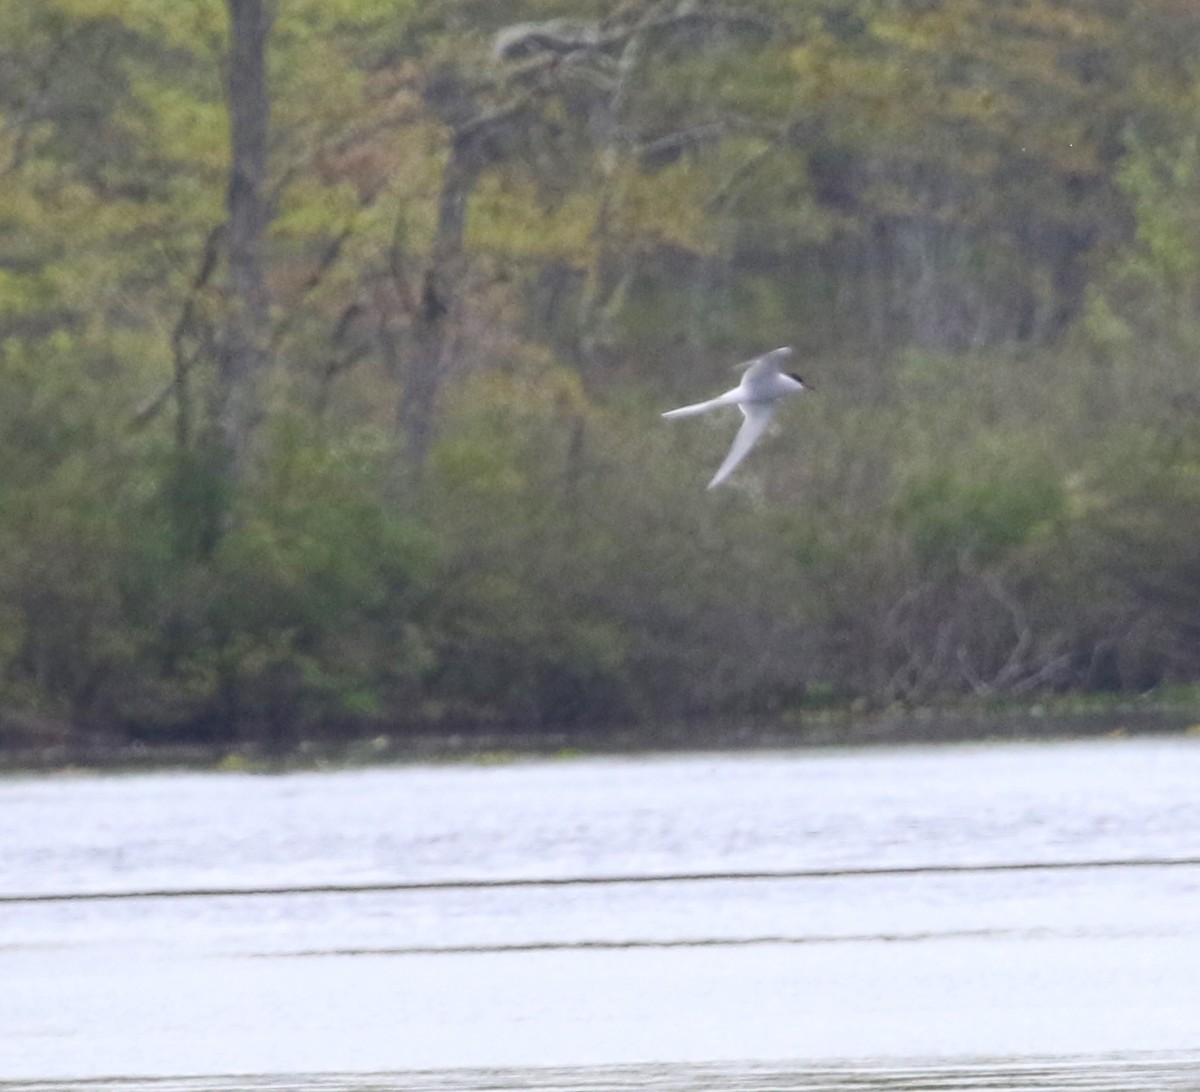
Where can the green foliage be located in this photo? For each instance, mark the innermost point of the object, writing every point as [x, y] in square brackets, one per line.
[976, 220]
[311, 600]
[1142, 318]
[986, 519]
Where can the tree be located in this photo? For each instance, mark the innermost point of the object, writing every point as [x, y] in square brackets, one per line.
[242, 345]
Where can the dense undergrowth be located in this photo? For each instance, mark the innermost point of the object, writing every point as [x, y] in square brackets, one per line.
[457, 508]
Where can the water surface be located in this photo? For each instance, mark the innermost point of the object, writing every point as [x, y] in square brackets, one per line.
[832, 919]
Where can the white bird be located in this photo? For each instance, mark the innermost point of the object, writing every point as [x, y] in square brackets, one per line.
[763, 386]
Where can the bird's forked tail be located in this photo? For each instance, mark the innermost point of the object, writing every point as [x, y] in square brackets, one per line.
[699, 407]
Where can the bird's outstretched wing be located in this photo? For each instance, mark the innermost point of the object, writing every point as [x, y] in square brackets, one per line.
[758, 415]
[767, 364]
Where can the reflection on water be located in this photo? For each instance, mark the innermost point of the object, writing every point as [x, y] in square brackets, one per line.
[1017, 916]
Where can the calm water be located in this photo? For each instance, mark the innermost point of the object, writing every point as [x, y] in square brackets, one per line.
[839, 920]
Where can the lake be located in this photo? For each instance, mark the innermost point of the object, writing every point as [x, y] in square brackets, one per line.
[1016, 916]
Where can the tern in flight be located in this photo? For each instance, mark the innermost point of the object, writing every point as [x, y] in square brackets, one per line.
[762, 388]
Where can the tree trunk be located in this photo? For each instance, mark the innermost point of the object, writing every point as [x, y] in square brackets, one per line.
[440, 296]
[241, 350]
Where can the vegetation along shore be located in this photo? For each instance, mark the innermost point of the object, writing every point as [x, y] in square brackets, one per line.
[335, 334]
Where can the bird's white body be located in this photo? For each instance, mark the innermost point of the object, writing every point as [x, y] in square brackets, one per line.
[764, 385]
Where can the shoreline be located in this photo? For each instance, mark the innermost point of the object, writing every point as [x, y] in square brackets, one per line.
[841, 728]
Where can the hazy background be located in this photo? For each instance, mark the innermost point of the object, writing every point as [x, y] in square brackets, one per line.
[334, 336]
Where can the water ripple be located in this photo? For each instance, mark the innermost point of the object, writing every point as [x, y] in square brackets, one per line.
[1117, 1073]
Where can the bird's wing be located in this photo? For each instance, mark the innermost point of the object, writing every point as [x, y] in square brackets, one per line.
[758, 416]
[768, 364]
